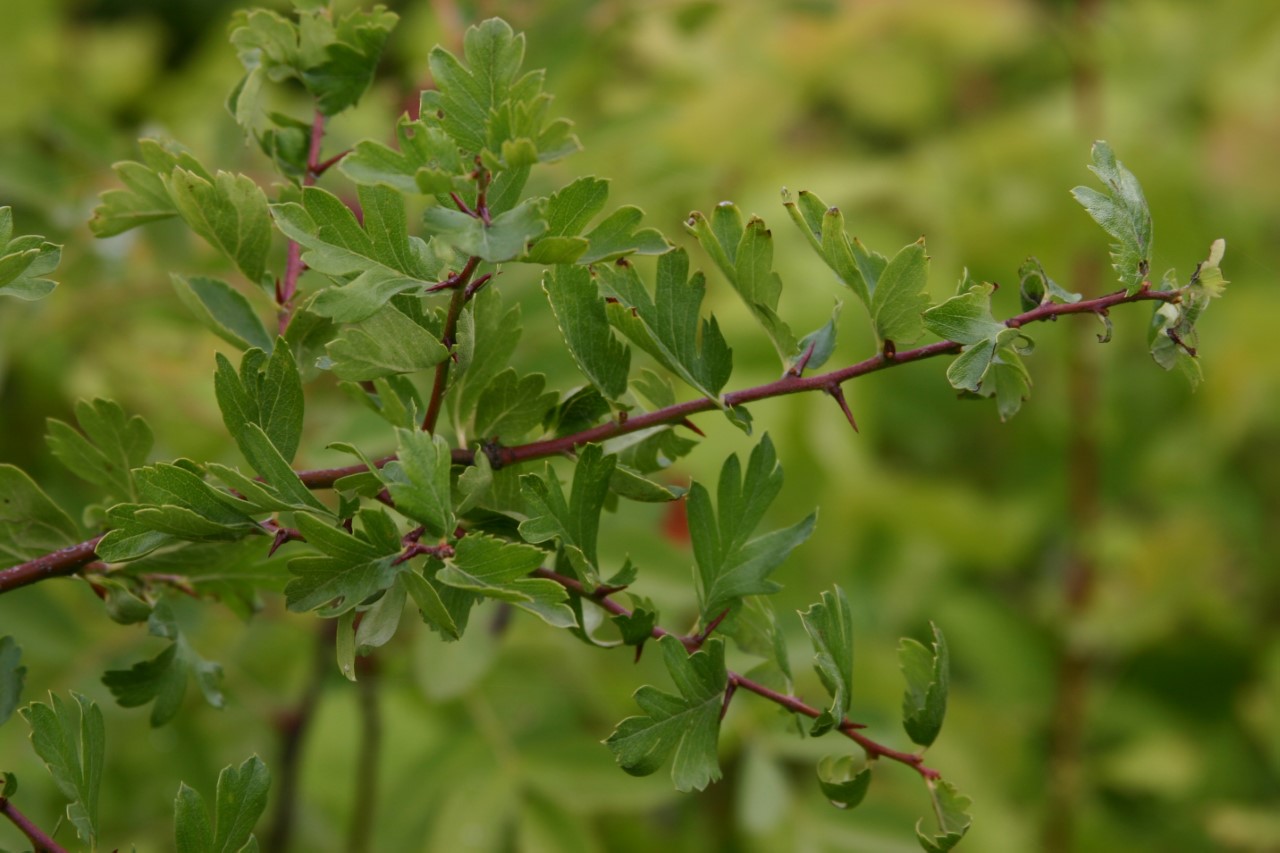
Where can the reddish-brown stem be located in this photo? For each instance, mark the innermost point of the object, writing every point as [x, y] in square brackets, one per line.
[848, 728]
[447, 338]
[40, 842]
[72, 559]
[287, 288]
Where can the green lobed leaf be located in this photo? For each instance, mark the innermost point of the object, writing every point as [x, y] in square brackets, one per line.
[12, 676]
[266, 393]
[490, 112]
[223, 310]
[574, 524]
[686, 726]
[379, 623]
[433, 604]
[502, 239]
[745, 255]
[30, 523]
[1123, 213]
[387, 343]
[486, 318]
[241, 800]
[829, 624]
[230, 212]
[899, 298]
[350, 58]
[351, 570]
[825, 229]
[730, 565]
[990, 363]
[426, 160]
[951, 809]
[425, 496]
[511, 406]
[667, 326]
[490, 567]
[162, 680]
[844, 780]
[924, 704]
[25, 261]
[369, 264]
[71, 742]
[112, 445]
[191, 828]
[580, 313]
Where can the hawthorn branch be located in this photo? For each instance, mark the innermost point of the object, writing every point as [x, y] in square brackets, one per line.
[850, 729]
[40, 841]
[70, 560]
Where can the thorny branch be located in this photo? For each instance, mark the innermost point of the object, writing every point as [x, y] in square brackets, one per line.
[847, 727]
[69, 560]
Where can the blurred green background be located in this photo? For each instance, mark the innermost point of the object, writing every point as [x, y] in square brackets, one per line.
[1104, 565]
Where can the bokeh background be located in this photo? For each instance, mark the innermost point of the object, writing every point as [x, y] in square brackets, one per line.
[1104, 565]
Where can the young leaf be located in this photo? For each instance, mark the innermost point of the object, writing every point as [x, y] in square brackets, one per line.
[371, 264]
[12, 676]
[72, 742]
[350, 49]
[990, 363]
[950, 807]
[667, 326]
[493, 568]
[580, 313]
[487, 110]
[685, 725]
[112, 445]
[844, 781]
[924, 704]
[830, 628]
[1035, 288]
[385, 344]
[24, 261]
[728, 565]
[899, 297]
[1123, 213]
[223, 310]
[1172, 333]
[30, 523]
